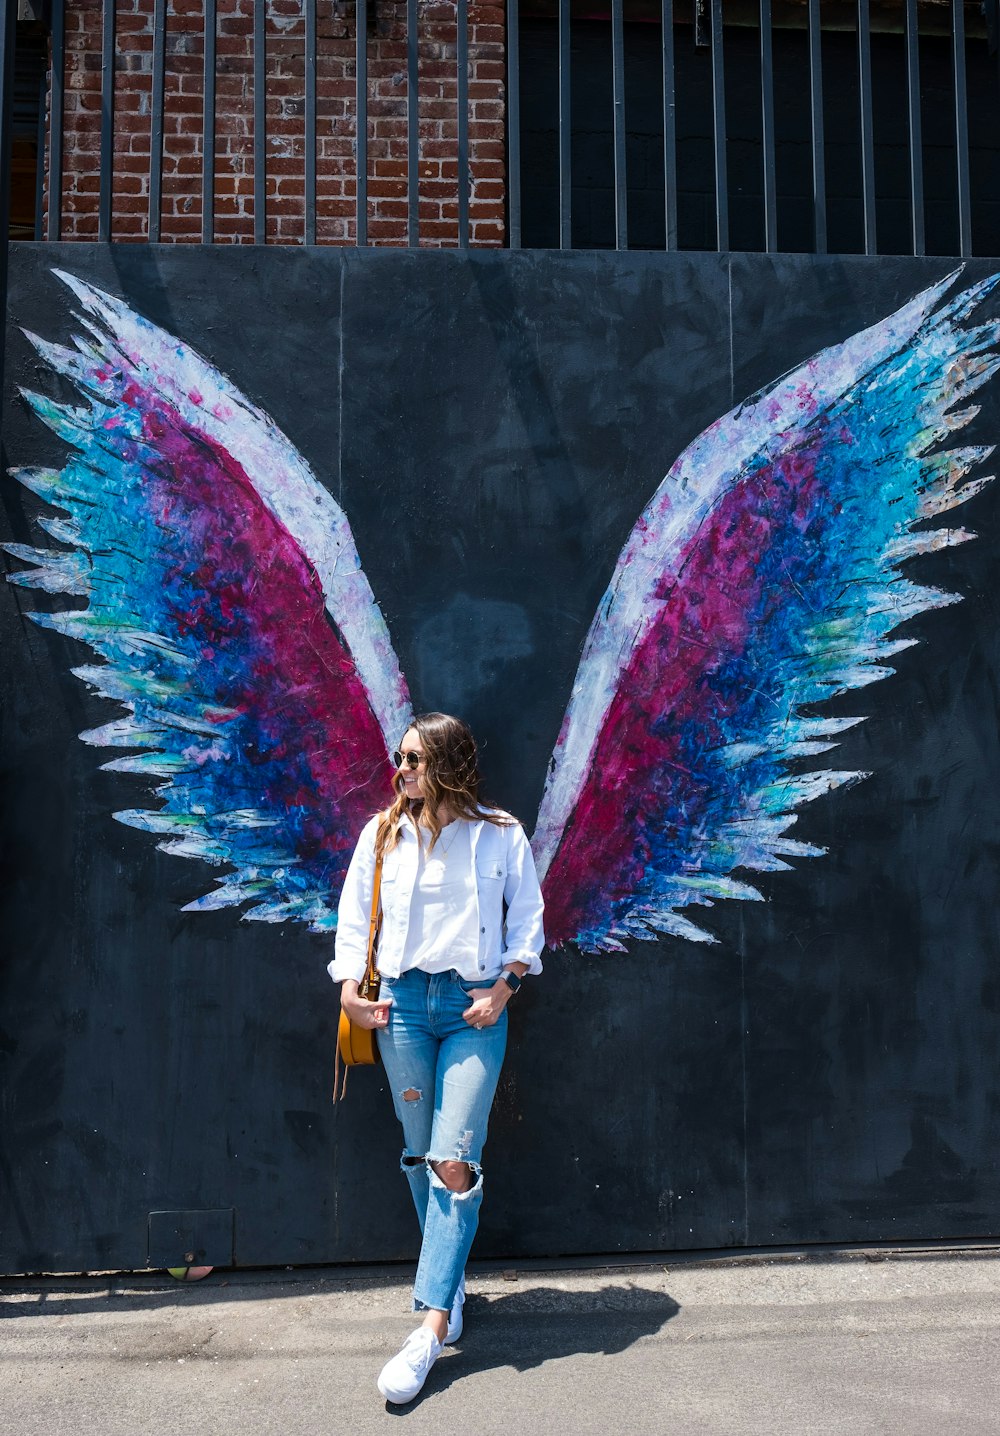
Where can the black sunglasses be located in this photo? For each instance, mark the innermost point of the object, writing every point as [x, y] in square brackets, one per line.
[411, 759]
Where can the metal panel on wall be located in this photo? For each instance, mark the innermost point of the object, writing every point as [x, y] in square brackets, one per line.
[493, 425]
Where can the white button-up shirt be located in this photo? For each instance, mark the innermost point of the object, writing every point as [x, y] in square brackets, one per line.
[504, 925]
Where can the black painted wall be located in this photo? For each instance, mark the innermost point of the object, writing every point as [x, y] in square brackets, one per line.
[493, 425]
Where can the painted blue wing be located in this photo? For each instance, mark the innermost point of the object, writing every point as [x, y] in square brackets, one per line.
[222, 595]
[768, 573]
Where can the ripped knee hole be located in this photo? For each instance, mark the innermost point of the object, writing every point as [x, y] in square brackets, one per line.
[456, 1176]
[411, 1094]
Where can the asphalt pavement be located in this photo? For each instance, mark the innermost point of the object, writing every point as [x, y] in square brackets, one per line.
[854, 1343]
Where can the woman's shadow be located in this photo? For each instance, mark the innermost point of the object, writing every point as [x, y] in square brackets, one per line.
[539, 1324]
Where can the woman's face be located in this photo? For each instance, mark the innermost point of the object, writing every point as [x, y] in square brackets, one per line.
[413, 778]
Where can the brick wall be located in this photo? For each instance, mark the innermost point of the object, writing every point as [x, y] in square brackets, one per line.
[181, 212]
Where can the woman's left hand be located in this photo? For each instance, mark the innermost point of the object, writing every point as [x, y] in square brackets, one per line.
[487, 1005]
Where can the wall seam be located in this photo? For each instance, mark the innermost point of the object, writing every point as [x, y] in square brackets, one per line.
[732, 358]
[743, 1067]
[340, 387]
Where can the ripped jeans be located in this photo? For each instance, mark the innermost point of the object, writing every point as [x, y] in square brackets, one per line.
[442, 1074]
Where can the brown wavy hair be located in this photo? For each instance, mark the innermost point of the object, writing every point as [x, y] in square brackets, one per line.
[451, 776]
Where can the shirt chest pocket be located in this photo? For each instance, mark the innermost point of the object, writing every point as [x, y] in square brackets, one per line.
[490, 870]
[391, 869]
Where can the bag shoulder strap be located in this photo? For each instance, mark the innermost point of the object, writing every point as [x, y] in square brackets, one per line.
[376, 918]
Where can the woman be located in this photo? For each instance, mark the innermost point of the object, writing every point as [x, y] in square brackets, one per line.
[462, 924]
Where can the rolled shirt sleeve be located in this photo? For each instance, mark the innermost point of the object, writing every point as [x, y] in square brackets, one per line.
[523, 932]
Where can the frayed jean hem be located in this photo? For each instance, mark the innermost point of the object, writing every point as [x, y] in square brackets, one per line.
[450, 1229]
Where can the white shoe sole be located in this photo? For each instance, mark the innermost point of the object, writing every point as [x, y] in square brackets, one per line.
[395, 1400]
[454, 1331]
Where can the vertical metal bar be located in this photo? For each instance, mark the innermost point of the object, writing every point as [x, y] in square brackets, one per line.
[361, 110]
[8, 39]
[412, 125]
[310, 122]
[259, 122]
[867, 139]
[513, 127]
[915, 127]
[669, 126]
[618, 90]
[719, 131]
[56, 86]
[107, 120]
[816, 103]
[565, 132]
[961, 129]
[159, 61]
[767, 128]
[208, 127]
[40, 156]
[462, 101]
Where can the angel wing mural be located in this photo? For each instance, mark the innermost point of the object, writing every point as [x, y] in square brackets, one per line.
[222, 590]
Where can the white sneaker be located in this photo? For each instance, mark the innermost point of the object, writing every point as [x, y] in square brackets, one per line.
[455, 1319]
[403, 1377]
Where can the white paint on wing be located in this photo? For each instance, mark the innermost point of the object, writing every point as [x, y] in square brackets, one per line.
[665, 528]
[209, 402]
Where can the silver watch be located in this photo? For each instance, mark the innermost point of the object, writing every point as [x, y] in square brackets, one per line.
[512, 980]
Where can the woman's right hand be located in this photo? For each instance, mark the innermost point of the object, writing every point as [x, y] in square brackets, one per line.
[360, 1011]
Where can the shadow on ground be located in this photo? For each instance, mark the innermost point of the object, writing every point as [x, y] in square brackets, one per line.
[539, 1324]
[154, 1291]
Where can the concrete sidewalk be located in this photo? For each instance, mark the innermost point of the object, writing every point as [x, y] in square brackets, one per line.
[887, 1343]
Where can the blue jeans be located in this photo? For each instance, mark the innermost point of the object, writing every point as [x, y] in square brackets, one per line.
[442, 1074]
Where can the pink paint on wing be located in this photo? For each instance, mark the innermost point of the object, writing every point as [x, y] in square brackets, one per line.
[673, 688]
[304, 692]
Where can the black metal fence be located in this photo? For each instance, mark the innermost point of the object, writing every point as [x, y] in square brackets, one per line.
[725, 79]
